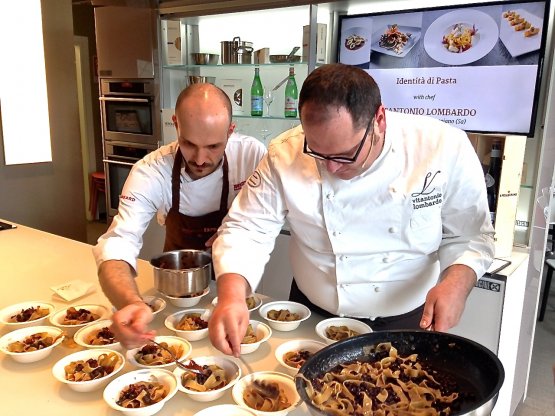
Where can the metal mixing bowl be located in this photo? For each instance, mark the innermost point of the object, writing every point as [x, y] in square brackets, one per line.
[279, 59]
[205, 58]
[182, 272]
[197, 79]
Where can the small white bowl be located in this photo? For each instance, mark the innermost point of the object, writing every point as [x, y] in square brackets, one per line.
[194, 335]
[9, 311]
[187, 302]
[292, 307]
[156, 304]
[90, 385]
[113, 390]
[83, 335]
[21, 334]
[285, 382]
[232, 372]
[293, 346]
[257, 301]
[350, 323]
[263, 333]
[58, 318]
[225, 410]
[171, 341]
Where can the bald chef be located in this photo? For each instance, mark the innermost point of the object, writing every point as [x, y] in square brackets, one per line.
[188, 184]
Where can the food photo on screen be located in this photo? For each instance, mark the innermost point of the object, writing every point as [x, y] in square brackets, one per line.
[456, 63]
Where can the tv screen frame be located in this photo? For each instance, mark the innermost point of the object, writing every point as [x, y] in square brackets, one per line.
[472, 84]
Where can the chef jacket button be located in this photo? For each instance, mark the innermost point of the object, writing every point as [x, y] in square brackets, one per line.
[341, 258]
[376, 289]
[336, 233]
[329, 196]
[393, 189]
[393, 230]
[386, 259]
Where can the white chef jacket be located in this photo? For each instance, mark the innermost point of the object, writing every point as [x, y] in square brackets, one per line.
[147, 191]
[374, 245]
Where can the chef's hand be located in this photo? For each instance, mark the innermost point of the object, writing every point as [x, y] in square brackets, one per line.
[445, 301]
[210, 241]
[130, 325]
[228, 324]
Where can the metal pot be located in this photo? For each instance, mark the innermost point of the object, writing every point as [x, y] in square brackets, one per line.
[182, 272]
[236, 51]
[472, 365]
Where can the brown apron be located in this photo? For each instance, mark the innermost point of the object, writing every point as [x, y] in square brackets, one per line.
[183, 231]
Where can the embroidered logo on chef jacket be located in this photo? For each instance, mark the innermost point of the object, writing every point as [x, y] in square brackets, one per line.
[429, 195]
[238, 186]
[255, 180]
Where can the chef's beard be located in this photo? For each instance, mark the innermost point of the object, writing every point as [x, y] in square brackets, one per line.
[200, 171]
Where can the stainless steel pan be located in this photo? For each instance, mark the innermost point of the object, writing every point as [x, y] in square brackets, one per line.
[475, 368]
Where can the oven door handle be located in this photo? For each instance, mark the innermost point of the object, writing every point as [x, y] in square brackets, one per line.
[122, 99]
[117, 162]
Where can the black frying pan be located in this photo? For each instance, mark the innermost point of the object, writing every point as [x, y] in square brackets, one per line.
[475, 368]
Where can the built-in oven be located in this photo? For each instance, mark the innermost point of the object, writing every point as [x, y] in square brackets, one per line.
[130, 111]
[119, 158]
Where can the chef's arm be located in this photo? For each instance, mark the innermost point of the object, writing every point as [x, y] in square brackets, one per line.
[445, 301]
[118, 284]
[130, 321]
[228, 323]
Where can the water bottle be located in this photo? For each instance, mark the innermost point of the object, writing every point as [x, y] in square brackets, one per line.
[257, 93]
[493, 177]
[291, 94]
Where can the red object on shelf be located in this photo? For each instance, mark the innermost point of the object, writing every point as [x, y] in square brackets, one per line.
[98, 185]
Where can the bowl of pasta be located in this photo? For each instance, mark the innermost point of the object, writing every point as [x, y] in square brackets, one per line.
[253, 302]
[22, 315]
[225, 409]
[151, 355]
[97, 335]
[218, 375]
[88, 370]
[266, 393]
[72, 318]
[257, 333]
[190, 300]
[284, 315]
[31, 344]
[294, 353]
[141, 392]
[191, 324]
[337, 329]
[155, 303]
[453, 375]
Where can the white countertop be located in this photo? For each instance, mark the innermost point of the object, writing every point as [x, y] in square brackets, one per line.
[32, 261]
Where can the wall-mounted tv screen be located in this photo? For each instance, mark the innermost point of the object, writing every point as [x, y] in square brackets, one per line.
[475, 66]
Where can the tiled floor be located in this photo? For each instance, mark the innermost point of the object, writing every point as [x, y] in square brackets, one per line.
[540, 400]
[541, 389]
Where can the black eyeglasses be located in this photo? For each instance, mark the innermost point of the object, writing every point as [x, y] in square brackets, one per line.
[339, 159]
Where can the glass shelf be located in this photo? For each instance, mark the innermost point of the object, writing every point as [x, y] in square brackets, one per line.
[526, 186]
[246, 116]
[186, 67]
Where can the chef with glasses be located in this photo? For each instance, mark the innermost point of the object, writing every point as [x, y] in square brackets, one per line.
[388, 214]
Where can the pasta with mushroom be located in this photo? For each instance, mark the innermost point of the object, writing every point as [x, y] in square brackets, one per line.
[102, 336]
[142, 394]
[79, 316]
[91, 369]
[33, 342]
[213, 377]
[338, 333]
[250, 336]
[191, 322]
[153, 355]
[283, 315]
[266, 396]
[30, 314]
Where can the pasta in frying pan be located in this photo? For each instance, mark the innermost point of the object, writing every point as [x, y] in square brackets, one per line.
[391, 385]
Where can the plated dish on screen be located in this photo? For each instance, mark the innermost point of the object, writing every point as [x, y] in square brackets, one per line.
[461, 37]
[520, 31]
[395, 40]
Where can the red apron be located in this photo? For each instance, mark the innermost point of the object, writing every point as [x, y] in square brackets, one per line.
[183, 231]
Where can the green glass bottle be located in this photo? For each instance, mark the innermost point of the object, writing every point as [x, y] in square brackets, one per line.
[291, 94]
[257, 94]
